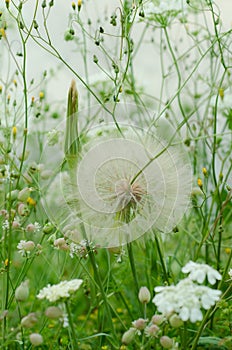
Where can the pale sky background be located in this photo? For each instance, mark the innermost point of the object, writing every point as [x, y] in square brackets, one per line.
[39, 60]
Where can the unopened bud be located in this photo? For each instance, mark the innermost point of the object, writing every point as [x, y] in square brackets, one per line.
[166, 342]
[36, 339]
[79, 3]
[24, 194]
[23, 210]
[53, 312]
[71, 146]
[144, 295]
[7, 3]
[13, 195]
[15, 224]
[30, 228]
[128, 336]
[175, 321]
[48, 228]
[29, 321]
[22, 291]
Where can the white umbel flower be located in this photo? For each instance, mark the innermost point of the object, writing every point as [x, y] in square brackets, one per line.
[59, 291]
[198, 272]
[185, 299]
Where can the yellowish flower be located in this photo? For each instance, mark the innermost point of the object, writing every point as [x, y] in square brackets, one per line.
[2, 32]
[31, 201]
[200, 183]
[14, 131]
[41, 95]
[204, 171]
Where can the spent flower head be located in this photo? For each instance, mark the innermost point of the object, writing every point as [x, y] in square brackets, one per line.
[25, 247]
[59, 291]
[123, 186]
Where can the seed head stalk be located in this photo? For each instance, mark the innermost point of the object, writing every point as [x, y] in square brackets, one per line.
[72, 149]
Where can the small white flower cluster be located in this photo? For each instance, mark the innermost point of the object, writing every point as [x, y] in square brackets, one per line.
[59, 291]
[187, 298]
[79, 249]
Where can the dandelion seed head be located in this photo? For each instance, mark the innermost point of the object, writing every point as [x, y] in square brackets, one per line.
[123, 185]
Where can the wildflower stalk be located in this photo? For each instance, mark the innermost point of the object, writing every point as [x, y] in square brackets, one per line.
[7, 253]
[178, 76]
[132, 265]
[101, 288]
[161, 258]
[72, 149]
[73, 338]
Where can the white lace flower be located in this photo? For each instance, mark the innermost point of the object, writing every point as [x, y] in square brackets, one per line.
[185, 299]
[198, 272]
[230, 273]
[61, 290]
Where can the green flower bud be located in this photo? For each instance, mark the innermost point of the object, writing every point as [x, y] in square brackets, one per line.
[72, 147]
[48, 228]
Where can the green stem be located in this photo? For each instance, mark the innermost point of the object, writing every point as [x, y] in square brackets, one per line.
[161, 258]
[73, 339]
[100, 286]
[134, 272]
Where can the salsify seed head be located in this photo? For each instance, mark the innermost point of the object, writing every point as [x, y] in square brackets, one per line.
[123, 186]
